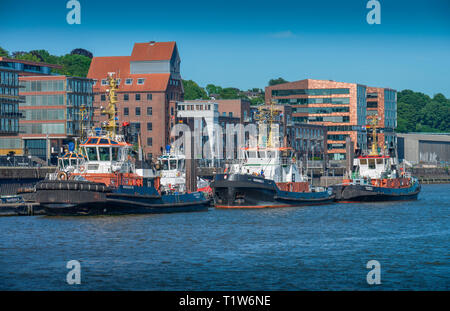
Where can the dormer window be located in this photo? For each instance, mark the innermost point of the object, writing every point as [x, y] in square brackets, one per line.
[140, 81]
[129, 81]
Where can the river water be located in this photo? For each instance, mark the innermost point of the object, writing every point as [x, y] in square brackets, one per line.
[303, 248]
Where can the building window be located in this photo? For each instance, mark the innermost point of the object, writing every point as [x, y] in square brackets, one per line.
[126, 111]
[103, 97]
[118, 81]
[95, 82]
[149, 111]
[149, 156]
[149, 126]
[140, 81]
[149, 141]
[104, 82]
[230, 114]
[171, 111]
[129, 81]
[138, 96]
[149, 96]
[138, 111]
[125, 96]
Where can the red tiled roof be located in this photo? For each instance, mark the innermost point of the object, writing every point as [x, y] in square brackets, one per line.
[151, 51]
[100, 66]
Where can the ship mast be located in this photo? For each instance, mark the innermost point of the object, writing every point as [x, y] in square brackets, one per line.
[110, 110]
[267, 116]
[374, 151]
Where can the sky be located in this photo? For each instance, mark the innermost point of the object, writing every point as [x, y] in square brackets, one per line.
[246, 43]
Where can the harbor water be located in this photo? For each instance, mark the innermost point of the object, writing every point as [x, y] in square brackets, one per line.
[324, 247]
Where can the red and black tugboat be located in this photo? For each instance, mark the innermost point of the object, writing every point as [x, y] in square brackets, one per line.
[377, 176]
[100, 179]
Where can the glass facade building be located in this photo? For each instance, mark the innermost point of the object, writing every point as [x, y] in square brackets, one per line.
[9, 102]
[339, 106]
[52, 112]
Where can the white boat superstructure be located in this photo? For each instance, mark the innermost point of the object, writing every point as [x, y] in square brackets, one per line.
[172, 172]
[277, 164]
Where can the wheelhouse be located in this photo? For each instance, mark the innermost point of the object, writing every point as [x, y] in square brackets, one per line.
[372, 166]
[71, 161]
[172, 162]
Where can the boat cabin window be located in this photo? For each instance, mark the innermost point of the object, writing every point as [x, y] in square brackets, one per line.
[165, 164]
[252, 154]
[173, 164]
[379, 161]
[115, 154]
[181, 165]
[271, 154]
[371, 164]
[363, 161]
[66, 163]
[91, 153]
[104, 153]
[261, 154]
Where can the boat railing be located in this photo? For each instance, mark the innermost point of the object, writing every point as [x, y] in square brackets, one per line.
[105, 133]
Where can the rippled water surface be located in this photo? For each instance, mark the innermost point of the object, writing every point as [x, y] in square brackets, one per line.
[304, 248]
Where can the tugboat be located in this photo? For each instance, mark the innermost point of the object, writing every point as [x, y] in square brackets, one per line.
[171, 167]
[377, 177]
[268, 177]
[101, 179]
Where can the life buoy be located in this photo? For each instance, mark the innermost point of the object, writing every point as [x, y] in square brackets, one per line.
[62, 176]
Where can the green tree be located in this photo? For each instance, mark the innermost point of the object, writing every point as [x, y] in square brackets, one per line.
[3, 52]
[74, 65]
[213, 89]
[417, 112]
[277, 81]
[193, 91]
[257, 100]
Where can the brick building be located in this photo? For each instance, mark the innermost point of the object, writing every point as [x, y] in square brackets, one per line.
[149, 86]
[339, 106]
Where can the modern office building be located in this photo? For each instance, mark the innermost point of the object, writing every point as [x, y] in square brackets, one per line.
[382, 103]
[52, 112]
[27, 68]
[9, 112]
[149, 86]
[11, 98]
[339, 106]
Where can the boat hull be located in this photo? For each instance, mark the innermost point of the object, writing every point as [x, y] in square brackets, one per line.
[367, 193]
[247, 191]
[122, 201]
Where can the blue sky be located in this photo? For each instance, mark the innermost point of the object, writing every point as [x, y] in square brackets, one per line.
[246, 43]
